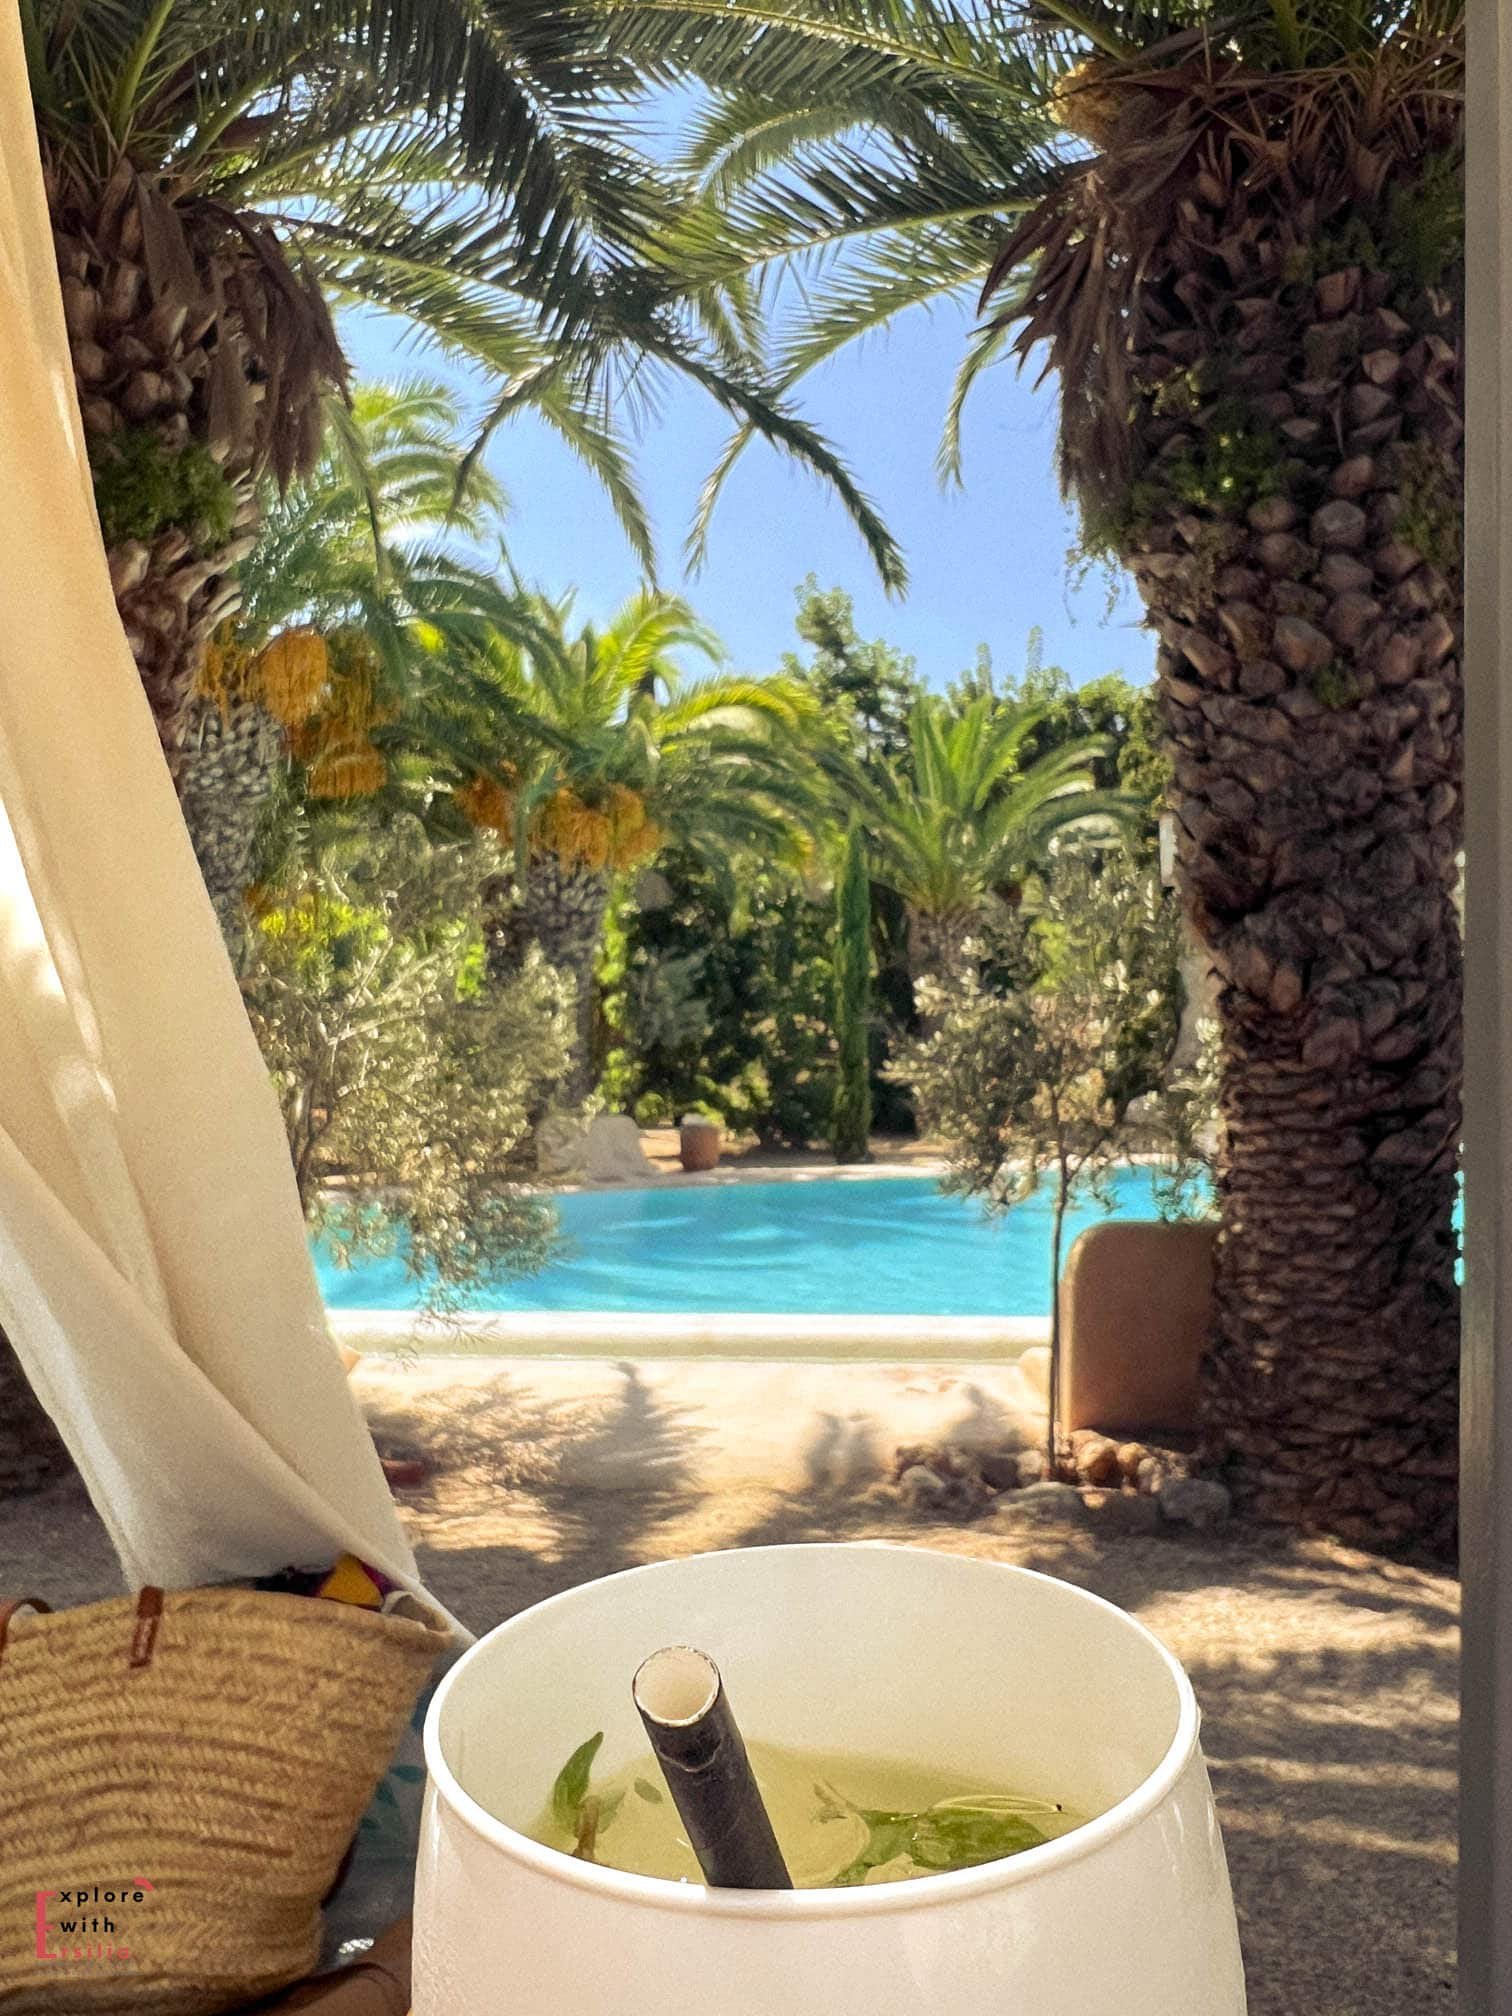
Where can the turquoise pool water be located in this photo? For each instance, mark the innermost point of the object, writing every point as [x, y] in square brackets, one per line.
[893, 1246]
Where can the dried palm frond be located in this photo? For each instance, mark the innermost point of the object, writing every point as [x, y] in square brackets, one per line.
[291, 673]
[357, 699]
[579, 835]
[633, 835]
[1083, 104]
[350, 770]
[488, 804]
[224, 677]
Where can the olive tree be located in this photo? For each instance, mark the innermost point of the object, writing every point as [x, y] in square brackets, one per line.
[1051, 1050]
[408, 1085]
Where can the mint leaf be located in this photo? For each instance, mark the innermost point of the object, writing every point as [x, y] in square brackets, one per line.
[571, 1787]
[954, 1835]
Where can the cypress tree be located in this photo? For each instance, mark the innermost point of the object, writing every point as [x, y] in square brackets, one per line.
[850, 1118]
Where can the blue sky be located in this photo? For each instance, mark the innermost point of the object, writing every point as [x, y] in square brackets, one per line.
[987, 561]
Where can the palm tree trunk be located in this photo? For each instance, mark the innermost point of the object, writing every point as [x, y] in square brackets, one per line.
[157, 371]
[560, 911]
[1310, 685]
[227, 760]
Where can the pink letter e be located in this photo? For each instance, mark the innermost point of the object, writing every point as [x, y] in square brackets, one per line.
[44, 1951]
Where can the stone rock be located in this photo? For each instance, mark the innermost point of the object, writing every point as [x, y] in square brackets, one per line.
[1049, 1502]
[1130, 1456]
[1414, 595]
[1399, 659]
[561, 1145]
[1337, 292]
[921, 1490]
[1097, 1461]
[945, 1482]
[1394, 559]
[1351, 616]
[1436, 637]
[1197, 1502]
[1367, 404]
[1152, 1475]
[613, 1152]
[1123, 1511]
[653, 891]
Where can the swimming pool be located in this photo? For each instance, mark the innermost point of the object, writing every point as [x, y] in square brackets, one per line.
[818, 1247]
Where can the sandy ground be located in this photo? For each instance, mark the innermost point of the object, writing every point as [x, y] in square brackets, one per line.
[1327, 1677]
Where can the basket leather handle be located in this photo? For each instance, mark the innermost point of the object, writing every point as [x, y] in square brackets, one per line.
[8, 1610]
[149, 1612]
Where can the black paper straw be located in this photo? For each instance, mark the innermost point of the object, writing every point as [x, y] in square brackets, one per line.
[698, 1745]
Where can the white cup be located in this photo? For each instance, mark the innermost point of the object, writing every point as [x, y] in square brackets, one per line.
[969, 1666]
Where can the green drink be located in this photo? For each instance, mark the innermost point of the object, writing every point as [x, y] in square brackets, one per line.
[840, 1820]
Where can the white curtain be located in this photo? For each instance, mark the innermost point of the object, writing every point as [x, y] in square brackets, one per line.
[154, 1276]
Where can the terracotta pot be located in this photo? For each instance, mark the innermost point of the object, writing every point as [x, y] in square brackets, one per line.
[700, 1143]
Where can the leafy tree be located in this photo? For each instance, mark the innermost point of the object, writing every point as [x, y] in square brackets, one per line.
[220, 176]
[850, 1122]
[719, 993]
[871, 687]
[1235, 233]
[398, 1071]
[1056, 1075]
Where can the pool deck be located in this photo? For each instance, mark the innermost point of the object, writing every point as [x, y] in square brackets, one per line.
[786, 1425]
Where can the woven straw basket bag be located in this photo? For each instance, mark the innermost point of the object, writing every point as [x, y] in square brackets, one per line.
[195, 1763]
